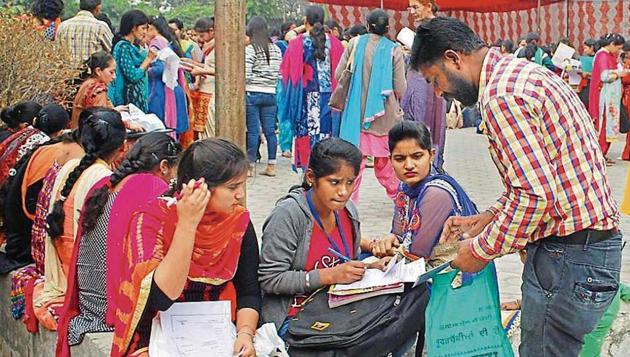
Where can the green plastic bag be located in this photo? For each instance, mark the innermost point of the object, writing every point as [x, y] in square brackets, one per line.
[593, 341]
[466, 321]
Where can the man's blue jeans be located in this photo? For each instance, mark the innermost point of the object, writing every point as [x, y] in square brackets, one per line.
[261, 110]
[566, 289]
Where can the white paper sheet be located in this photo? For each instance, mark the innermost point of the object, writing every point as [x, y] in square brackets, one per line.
[398, 273]
[199, 329]
[562, 55]
[267, 342]
[406, 37]
[149, 122]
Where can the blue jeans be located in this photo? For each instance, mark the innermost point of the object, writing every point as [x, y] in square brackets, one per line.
[566, 289]
[261, 110]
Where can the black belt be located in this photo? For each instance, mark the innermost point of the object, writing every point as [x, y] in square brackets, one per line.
[585, 236]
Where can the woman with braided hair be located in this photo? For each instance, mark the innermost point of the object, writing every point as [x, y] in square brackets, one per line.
[143, 175]
[102, 137]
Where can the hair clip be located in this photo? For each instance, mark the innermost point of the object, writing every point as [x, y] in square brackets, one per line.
[62, 198]
[155, 156]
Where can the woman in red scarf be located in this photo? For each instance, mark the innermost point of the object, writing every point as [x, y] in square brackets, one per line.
[163, 265]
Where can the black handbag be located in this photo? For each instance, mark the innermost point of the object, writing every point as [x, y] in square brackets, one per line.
[380, 324]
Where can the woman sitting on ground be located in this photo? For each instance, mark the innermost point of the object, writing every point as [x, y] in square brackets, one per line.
[143, 176]
[101, 69]
[47, 123]
[24, 215]
[425, 199]
[220, 263]
[424, 202]
[295, 261]
[306, 239]
[17, 117]
[93, 92]
[102, 137]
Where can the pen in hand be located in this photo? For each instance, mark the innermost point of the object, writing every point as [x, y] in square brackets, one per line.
[342, 257]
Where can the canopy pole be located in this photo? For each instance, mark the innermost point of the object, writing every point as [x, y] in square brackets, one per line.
[539, 19]
[230, 79]
[382, 5]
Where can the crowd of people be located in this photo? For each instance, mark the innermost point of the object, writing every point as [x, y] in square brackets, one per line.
[105, 225]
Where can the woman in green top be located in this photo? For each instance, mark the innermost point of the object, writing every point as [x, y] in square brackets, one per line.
[132, 61]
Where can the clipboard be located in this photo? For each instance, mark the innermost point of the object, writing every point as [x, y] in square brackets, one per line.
[431, 273]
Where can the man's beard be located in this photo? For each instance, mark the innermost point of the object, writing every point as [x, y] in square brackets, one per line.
[464, 92]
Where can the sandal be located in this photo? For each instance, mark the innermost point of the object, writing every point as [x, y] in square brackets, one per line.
[269, 171]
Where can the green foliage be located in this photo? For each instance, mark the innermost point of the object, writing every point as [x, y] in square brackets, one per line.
[186, 10]
[189, 13]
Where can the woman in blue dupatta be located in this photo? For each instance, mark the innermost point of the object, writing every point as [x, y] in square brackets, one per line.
[373, 107]
[306, 86]
[425, 199]
[132, 61]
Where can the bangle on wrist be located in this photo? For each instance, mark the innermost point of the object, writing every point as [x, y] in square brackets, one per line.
[308, 281]
[245, 333]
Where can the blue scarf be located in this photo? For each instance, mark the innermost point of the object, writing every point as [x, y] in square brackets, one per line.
[380, 87]
[464, 206]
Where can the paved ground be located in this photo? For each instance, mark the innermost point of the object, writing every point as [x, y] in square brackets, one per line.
[467, 160]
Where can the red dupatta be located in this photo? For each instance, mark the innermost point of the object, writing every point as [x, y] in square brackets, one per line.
[214, 259]
[133, 191]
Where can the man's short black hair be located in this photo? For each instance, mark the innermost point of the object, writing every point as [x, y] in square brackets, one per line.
[532, 36]
[89, 5]
[204, 24]
[179, 23]
[440, 34]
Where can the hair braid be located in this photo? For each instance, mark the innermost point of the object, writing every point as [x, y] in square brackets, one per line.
[54, 221]
[146, 154]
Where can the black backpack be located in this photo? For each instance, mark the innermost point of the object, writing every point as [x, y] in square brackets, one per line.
[376, 326]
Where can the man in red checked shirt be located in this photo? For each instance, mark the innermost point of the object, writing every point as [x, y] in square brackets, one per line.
[557, 202]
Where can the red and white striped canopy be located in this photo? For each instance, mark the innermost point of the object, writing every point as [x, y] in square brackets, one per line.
[575, 19]
[447, 5]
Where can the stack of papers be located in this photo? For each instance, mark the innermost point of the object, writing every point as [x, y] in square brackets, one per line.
[201, 329]
[376, 282]
[192, 329]
[150, 122]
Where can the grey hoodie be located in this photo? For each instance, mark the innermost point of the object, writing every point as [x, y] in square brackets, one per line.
[285, 244]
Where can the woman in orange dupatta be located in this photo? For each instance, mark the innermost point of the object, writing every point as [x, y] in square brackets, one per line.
[162, 265]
